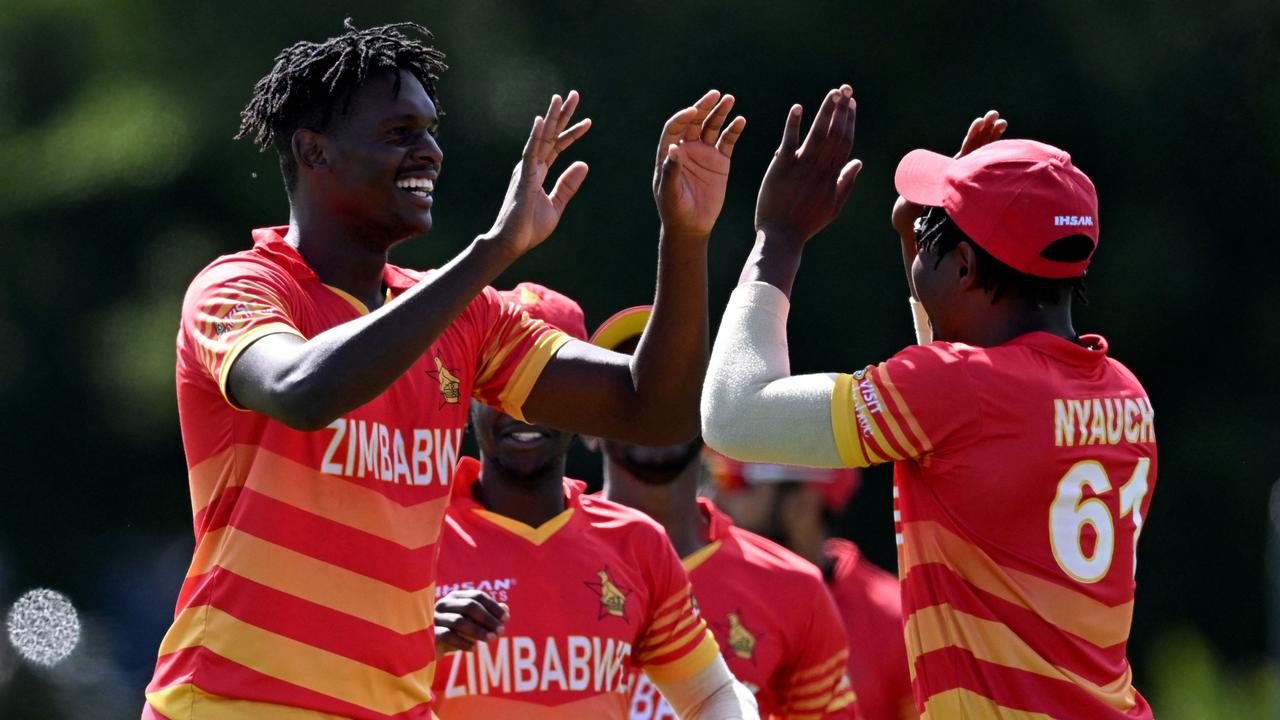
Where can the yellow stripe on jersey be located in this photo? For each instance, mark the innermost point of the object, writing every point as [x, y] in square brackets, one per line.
[673, 640]
[301, 664]
[176, 702]
[535, 535]
[942, 626]
[823, 668]
[688, 665]
[1101, 624]
[315, 580]
[961, 703]
[351, 299]
[699, 556]
[241, 344]
[900, 404]
[843, 425]
[526, 373]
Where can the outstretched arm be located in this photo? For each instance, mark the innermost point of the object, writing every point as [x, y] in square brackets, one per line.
[752, 407]
[307, 383]
[652, 397]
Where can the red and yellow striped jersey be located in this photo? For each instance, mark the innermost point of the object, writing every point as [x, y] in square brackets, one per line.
[311, 591]
[1022, 482]
[777, 626]
[594, 592]
[871, 607]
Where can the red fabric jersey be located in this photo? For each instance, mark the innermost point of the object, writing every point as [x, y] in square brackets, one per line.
[870, 606]
[777, 626]
[594, 592]
[1023, 480]
[312, 584]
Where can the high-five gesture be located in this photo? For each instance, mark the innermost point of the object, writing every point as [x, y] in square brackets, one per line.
[529, 214]
[692, 167]
[807, 185]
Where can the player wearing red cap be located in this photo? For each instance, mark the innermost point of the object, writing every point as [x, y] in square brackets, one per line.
[793, 662]
[322, 392]
[1025, 456]
[795, 506]
[594, 588]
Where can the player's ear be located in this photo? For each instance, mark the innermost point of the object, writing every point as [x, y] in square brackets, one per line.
[590, 442]
[309, 150]
[966, 265]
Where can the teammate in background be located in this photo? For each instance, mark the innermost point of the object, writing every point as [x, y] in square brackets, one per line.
[323, 392]
[795, 507]
[778, 628]
[1024, 455]
[594, 588]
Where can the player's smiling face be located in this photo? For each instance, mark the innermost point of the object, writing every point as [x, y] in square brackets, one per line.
[383, 159]
[522, 450]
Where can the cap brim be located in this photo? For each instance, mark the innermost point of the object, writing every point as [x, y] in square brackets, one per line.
[622, 326]
[921, 177]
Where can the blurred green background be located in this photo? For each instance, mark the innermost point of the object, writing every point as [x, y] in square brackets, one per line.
[119, 180]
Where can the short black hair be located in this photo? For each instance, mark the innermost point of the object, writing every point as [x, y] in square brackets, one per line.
[937, 234]
[309, 81]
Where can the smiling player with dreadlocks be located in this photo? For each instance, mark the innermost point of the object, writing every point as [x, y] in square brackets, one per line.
[322, 392]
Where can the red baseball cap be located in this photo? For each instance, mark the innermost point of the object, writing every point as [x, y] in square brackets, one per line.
[1014, 198]
[549, 306]
[834, 485]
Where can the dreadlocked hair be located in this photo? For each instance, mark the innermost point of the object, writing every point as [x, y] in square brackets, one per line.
[310, 81]
[938, 234]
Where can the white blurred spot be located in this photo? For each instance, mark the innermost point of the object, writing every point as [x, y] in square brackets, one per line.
[43, 627]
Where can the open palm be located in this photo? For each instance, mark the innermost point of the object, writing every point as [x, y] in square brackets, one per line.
[692, 167]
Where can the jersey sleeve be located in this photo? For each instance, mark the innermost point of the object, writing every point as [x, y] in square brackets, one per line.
[676, 643]
[814, 681]
[227, 307]
[513, 350]
[907, 407]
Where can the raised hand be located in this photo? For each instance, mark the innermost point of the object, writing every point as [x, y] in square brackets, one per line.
[692, 166]
[529, 214]
[466, 617]
[982, 131]
[806, 185]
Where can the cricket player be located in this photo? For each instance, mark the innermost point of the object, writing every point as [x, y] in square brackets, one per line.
[595, 591]
[778, 628]
[795, 506]
[323, 392]
[1025, 455]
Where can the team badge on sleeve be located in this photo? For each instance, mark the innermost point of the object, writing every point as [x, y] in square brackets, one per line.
[612, 598]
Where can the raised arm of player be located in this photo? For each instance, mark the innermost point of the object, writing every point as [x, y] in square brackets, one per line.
[652, 397]
[307, 383]
[752, 407]
[982, 131]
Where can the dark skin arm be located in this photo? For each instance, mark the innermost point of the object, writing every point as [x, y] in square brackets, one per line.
[466, 617]
[307, 384]
[982, 131]
[652, 397]
[803, 190]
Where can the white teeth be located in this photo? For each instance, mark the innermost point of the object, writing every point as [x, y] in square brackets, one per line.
[425, 184]
[526, 436]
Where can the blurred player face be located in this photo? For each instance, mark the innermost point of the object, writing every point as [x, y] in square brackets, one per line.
[790, 514]
[382, 160]
[525, 452]
[653, 465]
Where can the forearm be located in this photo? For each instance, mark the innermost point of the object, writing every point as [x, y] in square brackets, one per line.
[349, 365]
[774, 259]
[752, 407]
[669, 363]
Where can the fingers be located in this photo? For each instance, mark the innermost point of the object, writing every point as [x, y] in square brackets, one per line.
[704, 106]
[567, 185]
[673, 131]
[839, 140]
[712, 125]
[983, 131]
[844, 184]
[567, 138]
[549, 138]
[730, 136]
[791, 131]
[821, 122]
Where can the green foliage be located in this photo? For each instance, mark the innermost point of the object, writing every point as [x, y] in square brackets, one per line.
[1190, 682]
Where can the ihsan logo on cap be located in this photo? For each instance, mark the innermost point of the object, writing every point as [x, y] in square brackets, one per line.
[1060, 220]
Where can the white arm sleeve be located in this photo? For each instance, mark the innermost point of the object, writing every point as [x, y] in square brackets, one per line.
[920, 318]
[712, 694]
[752, 407]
